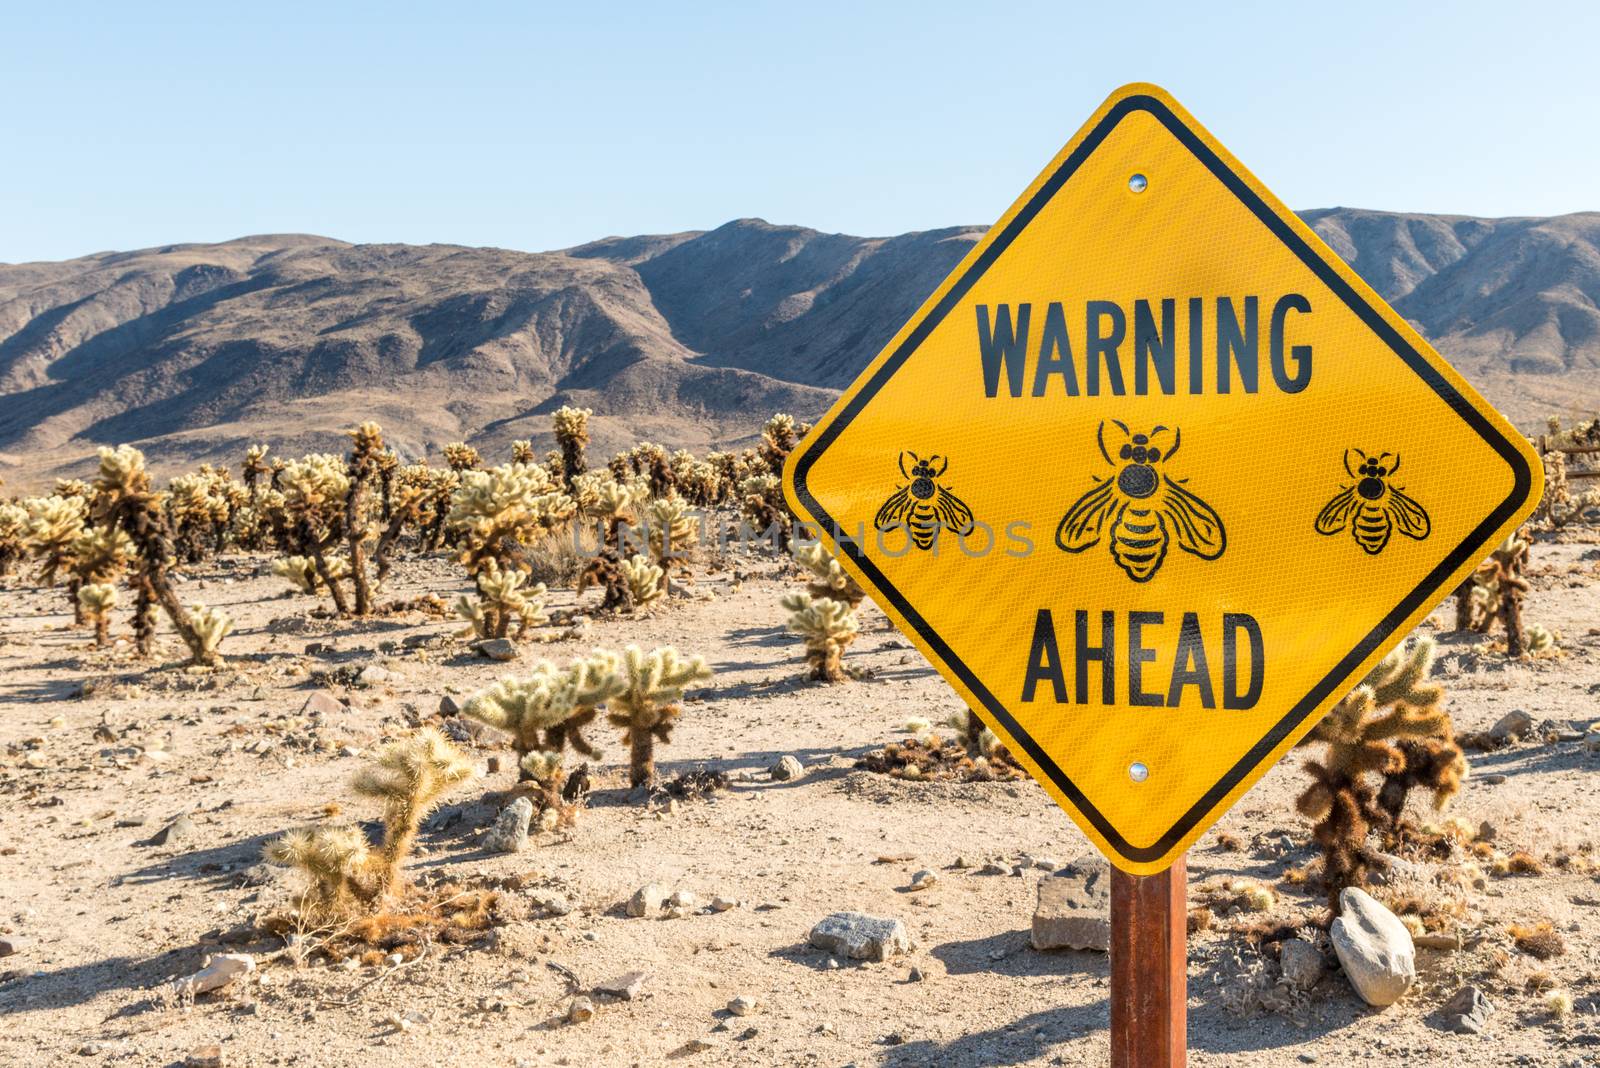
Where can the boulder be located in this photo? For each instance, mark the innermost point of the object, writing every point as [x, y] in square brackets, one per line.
[1301, 963]
[861, 937]
[497, 649]
[1074, 907]
[1374, 948]
[787, 769]
[1512, 726]
[1467, 1012]
[510, 831]
[646, 901]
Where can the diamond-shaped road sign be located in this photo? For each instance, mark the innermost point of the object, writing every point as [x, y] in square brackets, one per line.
[1153, 478]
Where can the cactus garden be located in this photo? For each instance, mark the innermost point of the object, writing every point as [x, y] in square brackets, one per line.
[539, 756]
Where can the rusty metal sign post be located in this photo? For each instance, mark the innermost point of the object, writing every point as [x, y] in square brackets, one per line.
[1153, 479]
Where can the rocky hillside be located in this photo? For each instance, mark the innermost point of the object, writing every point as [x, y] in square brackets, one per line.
[689, 339]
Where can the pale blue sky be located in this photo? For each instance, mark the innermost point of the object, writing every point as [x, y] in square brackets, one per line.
[537, 126]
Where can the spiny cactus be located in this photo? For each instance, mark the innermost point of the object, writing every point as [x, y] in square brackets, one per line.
[97, 556]
[828, 579]
[301, 572]
[761, 501]
[572, 434]
[673, 532]
[1503, 573]
[13, 535]
[255, 465]
[502, 596]
[210, 626]
[647, 707]
[125, 501]
[544, 713]
[778, 438]
[54, 523]
[607, 572]
[647, 581]
[344, 874]
[614, 505]
[828, 627]
[522, 452]
[1387, 737]
[461, 456]
[98, 599]
[363, 468]
[497, 513]
[315, 489]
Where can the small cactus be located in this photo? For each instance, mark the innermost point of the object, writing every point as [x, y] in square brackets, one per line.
[828, 627]
[98, 599]
[646, 581]
[647, 706]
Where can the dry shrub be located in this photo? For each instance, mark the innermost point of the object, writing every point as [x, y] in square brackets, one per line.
[1540, 941]
[934, 759]
[555, 559]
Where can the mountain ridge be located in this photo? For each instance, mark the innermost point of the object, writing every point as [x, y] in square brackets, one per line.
[192, 350]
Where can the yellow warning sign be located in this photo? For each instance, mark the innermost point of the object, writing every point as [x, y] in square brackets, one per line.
[1153, 478]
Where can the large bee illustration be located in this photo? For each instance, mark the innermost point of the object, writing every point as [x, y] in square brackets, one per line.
[923, 506]
[1374, 508]
[1145, 508]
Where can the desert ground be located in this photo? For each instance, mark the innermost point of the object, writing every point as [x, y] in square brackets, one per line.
[105, 755]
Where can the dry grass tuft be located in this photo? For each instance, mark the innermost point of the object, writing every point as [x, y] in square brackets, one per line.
[1540, 941]
[933, 759]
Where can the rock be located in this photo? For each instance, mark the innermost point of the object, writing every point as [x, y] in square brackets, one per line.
[743, 1005]
[646, 901]
[373, 675]
[497, 648]
[787, 769]
[682, 899]
[322, 703]
[1443, 941]
[1513, 725]
[1374, 948]
[1301, 963]
[626, 986]
[1591, 741]
[220, 970]
[923, 879]
[174, 832]
[580, 1010]
[861, 937]
[10, 944]
[510, 831]
[723, 904]
[205, 1057]
[1467, 1012]
[449, 706]
[1074, 907]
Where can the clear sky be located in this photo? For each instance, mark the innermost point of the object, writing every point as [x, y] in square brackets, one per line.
[537, 126]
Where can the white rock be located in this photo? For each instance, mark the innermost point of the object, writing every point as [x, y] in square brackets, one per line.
[646, 901]
[861, 937]
[743, 1005]
[1374, 948]
[220, 970]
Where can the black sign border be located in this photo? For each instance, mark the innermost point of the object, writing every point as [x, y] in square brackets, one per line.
[1435, 579]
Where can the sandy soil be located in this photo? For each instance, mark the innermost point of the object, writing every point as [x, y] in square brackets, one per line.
[107, 918]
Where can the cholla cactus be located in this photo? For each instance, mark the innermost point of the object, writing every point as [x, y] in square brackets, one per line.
[522, 452]
[461, 456]
[614, 505]
[1542, 641]
[502, 596]
[210, 625]
[1503, 575]
[13, 535]
[315, 489]
[499, 510]
[778, 438]
[828, 627]
[301, 572]
[344, 874]
[572, 434]
[673, 532]
[54, 523]
[126, 502]
[544, 713]
[364, 467]
[98, 599]
[1388, 736]
[761, 501]
[646, 581]
[646, 708]
[96, 557]
[828, 579]
[255, 465]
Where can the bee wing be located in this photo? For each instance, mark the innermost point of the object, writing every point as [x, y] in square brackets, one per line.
[1408, 515]
[1335, 515]
[1081, 526]
[1197, 527]
[894, 510]
[952, 512]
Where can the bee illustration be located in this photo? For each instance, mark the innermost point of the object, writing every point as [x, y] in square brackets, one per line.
[924, 507]
[1373, 508]
[1146, 508]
